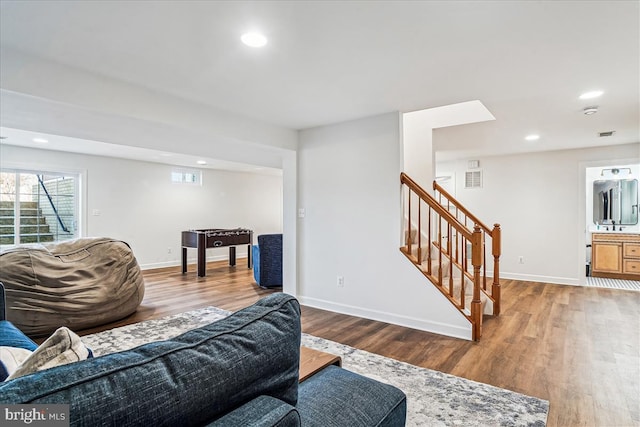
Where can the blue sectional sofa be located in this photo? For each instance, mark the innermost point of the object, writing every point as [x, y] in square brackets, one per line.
[239, 371]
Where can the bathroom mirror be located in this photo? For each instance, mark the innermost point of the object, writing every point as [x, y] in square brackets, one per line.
[615, 200]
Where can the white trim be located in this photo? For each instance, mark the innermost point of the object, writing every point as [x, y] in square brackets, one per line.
[289, 220]
[381, 316]
[160, 265]
[190, 261]
[543, 279]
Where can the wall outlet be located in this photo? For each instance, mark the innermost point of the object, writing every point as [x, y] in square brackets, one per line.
[340, 281]
[169, 250]
[520, 259]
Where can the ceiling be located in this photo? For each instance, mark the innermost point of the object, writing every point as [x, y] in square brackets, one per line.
[332, 61]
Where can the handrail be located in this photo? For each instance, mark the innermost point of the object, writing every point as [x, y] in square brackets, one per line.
[46, 192]
[457, 233]
[415, 187]
[496, 247]
[458, 205]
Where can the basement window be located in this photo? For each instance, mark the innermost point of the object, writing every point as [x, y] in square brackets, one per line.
[186, 176]
[38, 206]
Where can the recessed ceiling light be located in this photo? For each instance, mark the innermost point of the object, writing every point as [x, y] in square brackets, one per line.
[532, 137]
[40, 140]
[254, 39]
[591, 95]
[201, 162]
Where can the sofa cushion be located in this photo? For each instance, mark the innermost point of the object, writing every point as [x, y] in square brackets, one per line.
[263, 411]
[190, 380]
[336, 397]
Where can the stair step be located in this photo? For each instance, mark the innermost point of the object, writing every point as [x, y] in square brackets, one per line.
[9, 239]
[425, 250]
[27, 220]
[23, 205]
[25, 229]
[435, 265]
[23, 212]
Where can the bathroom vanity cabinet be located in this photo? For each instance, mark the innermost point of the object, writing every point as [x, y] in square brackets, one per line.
[615, 255]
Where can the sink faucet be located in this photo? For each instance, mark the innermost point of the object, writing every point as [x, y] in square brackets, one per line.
[614, 225]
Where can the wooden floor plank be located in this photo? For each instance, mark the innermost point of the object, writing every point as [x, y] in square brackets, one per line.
[577, 347]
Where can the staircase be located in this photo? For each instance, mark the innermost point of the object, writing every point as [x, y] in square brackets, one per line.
[33, 225]
[449, 245]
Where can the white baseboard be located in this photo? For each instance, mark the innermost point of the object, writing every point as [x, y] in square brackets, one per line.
[395, 319]
[543, 279]
[190, 261]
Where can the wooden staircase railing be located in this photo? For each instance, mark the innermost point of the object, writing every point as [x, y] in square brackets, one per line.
[454, 254]
[463, 215]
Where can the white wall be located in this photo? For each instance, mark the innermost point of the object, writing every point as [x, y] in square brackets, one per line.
[417, 137]
[139, 204]
[349, 186]
[539, 201]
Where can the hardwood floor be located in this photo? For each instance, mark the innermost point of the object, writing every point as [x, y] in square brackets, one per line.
[577, 347]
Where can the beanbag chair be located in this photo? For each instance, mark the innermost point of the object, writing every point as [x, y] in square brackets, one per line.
[78, 283]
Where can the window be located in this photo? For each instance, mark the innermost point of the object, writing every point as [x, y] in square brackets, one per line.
[37, 207]
[186, 176]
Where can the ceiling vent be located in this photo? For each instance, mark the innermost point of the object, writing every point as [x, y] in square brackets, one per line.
[608, 133]
[590, 110]
[473, 179]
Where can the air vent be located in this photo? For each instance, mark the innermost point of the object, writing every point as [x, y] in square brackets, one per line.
[473, 179]
[609, 133]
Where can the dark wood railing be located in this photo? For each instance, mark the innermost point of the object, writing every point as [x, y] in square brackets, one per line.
[461, 254]
[464, 216]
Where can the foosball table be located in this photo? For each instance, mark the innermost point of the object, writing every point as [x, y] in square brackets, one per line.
[215, 238]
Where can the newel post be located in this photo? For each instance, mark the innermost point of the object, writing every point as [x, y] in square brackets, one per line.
[476, 303]
[496, 235]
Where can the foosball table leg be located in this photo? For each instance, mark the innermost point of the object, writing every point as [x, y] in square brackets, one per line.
[232, 256]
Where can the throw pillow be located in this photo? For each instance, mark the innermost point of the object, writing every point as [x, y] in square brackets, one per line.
[10, 359]
[60, 348]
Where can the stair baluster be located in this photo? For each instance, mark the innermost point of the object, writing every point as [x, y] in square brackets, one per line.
[453, 257]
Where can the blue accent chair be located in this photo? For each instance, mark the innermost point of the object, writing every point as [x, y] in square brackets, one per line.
[267, 261]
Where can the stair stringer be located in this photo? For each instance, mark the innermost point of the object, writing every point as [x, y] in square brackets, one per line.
[485, 297]
[434, 280]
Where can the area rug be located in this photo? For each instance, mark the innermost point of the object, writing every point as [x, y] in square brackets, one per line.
[433, 398]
